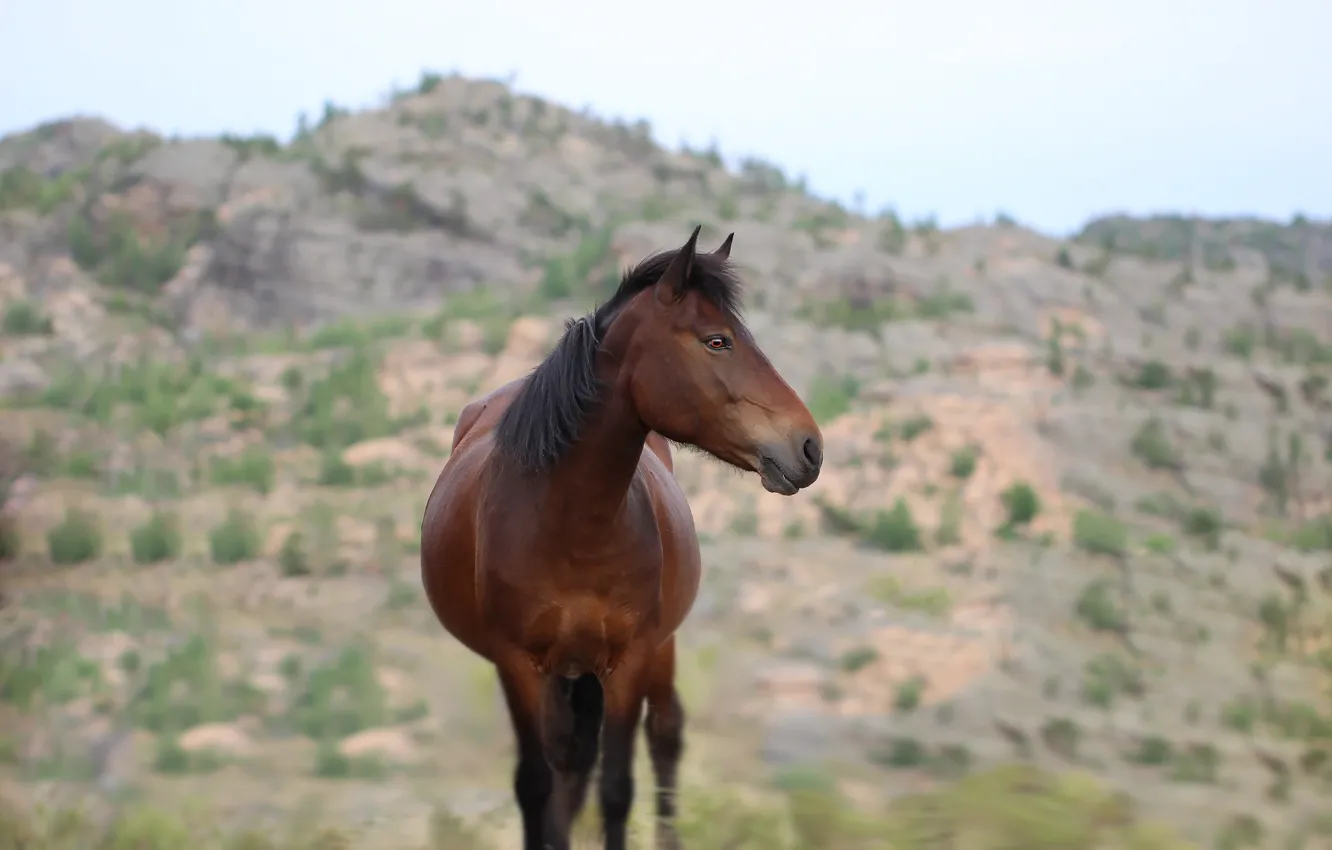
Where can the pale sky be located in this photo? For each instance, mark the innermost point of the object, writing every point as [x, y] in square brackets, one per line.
[1051, 110]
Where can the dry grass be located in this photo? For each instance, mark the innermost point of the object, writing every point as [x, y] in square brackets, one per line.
[1012, 807]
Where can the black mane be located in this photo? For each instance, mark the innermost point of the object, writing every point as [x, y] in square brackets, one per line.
[543, 421]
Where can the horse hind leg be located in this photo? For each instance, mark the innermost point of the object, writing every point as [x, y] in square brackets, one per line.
[665, 739]
[572, 711]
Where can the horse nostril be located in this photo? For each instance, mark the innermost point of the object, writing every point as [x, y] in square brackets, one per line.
[813, 451]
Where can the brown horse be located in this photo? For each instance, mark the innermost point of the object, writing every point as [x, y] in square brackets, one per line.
[558, 549]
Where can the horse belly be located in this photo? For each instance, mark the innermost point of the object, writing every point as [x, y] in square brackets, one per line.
[451, 592]
[448, 557]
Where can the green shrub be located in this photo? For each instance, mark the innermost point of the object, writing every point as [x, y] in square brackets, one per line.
[963, 462]
[252, 468]
[292, 558]
[894, 530]
[1082, 378]
[172, 758]
[1153, 375]
[1239, 341]
[156, 540]
[1196, 763]
[185, 689]
[1022, 503]
[831, 397]
[942, 303]
[152, 484]
[934, 601]
[1199, 390]
[330, 763]
[745, 523]
[915, 426]
[843, 313]
[339, 698]
[1151, 751]
[346, 406]
[1239, 714]
[21, 187]
[11, 542]
[589, 270]
[23, 318]
[1152, 445]
[909, 693]
[1160, 544]
[870, 315]
[1097, 607]
[233, 540]
[1204, 524]
[1062, 736]
[1108, 677]
[350, 332]
[334, 471]
[1314, 534]
[93, 612]
[1055, 361]
[1099, 534]
[949, 531]
[375, 474]
[160, 394]
[82, 464]
[75, 539]
[114, 252]
[855, 659]
[42, 454]
[51, 674]
[728, 209]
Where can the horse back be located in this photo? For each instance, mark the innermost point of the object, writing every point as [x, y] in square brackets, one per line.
[485, 411]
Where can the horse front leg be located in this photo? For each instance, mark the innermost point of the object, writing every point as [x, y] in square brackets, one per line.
[533, 780]
[571, 715]
[624, 693]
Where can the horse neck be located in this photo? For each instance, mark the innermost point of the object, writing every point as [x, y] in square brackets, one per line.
[593, 480]
[601, 466]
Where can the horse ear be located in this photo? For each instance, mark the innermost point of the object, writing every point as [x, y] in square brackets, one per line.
[725, 250]
[673, 280]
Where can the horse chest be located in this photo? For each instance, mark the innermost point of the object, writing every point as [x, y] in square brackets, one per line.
[628, 588]
[577, 614]
[574, 634]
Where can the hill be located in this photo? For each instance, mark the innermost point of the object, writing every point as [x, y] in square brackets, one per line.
[1074, 517]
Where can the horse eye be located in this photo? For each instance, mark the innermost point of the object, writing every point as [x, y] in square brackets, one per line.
[718, 343]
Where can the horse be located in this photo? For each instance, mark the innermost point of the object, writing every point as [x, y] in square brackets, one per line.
[558, 546]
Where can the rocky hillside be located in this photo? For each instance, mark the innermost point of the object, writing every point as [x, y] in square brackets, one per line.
[1298, 254]
[1075, 517]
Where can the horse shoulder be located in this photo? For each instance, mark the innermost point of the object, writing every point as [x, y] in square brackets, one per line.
[682, 565]
[661, 447]
[669, 502]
